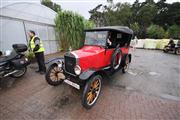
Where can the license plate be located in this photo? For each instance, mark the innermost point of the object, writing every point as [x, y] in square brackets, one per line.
[72, 84]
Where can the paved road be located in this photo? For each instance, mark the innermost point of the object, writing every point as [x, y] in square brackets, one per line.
[150, 90]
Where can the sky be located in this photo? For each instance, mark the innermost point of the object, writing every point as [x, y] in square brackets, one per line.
[83, 6]
[80, 6]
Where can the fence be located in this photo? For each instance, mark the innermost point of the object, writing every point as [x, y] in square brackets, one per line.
[153, 43]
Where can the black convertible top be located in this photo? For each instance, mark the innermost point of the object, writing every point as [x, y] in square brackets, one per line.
[123, 29]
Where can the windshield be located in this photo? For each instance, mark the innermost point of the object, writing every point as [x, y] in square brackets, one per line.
[96, 38]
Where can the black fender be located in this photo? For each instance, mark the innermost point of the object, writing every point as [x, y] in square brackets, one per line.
[130, 58]
[87, 74]
[55, 61]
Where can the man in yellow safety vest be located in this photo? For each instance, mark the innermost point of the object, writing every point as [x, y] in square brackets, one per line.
[36, 46]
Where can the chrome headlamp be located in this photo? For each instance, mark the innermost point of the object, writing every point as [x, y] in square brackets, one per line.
[77, 70]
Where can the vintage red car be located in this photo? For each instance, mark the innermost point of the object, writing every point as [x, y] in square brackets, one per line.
[106, 50]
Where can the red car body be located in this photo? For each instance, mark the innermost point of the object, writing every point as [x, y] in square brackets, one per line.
[106, 50]
[95, 57]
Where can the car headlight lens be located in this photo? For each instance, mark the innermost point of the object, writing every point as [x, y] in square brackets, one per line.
[77, 70]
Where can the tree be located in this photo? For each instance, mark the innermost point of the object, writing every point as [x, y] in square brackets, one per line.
[150, 1]
[168, 14]
[120, 15]
[145, 15]
[135, 27]
[70, 27]
[96, 16]
[138, 16]
[155, 31]
[88, 24]
[51, 5]
[110, 1]
[174, 31]
[113, 14]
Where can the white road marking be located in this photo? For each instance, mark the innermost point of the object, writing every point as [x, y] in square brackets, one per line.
[153, 73]
[132, 73]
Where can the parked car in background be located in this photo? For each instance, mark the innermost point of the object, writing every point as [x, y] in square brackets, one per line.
[105, 51]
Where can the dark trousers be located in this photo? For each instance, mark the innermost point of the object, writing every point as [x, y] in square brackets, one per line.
[40, 61]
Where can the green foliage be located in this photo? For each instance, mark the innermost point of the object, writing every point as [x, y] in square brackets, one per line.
[174, 31]
[88, 24]
[138, 16]
[30, 55]
[166, 35]
[143, 15]
[97, 17]
[155, 31]
[70, 27]
[122, 15]
[135, 27]
[168, 14]
[51, 5]
[118, 14]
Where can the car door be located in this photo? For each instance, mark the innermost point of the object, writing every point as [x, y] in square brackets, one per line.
[108, 56]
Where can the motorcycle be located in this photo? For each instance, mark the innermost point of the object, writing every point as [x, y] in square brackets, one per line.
[15, 64]
[175, 48]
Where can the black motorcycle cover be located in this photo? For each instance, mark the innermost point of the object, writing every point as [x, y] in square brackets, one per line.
[20, 47]
[19, 63]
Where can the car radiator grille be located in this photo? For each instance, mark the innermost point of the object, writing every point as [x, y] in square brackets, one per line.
[70, 62]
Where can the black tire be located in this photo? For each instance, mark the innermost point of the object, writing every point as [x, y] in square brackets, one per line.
[177, 51]
[165, 49]
[126, 64]
[21, 72]
[53, 75]
[91, 93]
[115, 61]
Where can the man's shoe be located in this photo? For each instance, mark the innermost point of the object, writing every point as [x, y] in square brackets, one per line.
[42, 73]
[37, 71]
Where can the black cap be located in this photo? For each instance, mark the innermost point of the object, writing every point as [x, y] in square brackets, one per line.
[31, 31]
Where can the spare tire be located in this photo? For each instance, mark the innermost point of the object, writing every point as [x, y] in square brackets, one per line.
[116, 59]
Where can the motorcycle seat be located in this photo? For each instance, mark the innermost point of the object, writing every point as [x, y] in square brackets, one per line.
[4, 59]
[2, 63]
[9, 57]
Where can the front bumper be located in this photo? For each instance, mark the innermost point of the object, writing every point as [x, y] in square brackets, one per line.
[69, 82]
[73, 80]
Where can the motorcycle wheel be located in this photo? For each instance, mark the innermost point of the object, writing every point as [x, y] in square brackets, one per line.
[177, 51]
[19, 73]
[165, 49]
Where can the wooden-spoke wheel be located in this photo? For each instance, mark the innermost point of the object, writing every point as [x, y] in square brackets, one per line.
[91, 91]
[54, 75]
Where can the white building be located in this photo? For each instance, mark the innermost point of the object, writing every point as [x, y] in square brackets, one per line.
[17, 18]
